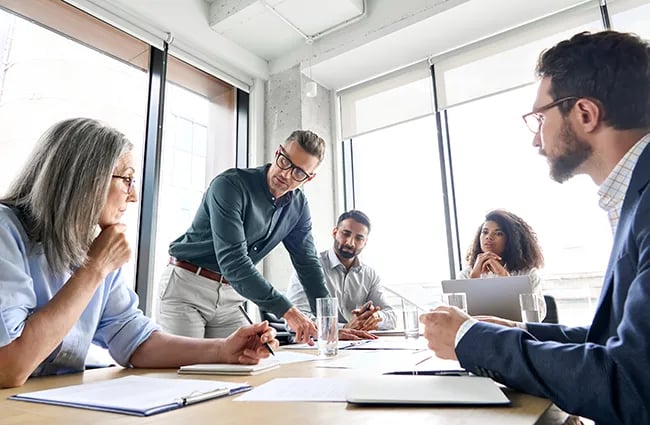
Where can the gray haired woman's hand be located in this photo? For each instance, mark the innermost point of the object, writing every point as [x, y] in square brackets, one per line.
[110, 250]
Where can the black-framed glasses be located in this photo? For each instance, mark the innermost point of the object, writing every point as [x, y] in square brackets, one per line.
[128, 181]
[284, 163]
[535, 119]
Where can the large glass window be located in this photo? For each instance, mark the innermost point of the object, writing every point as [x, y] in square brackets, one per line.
[636, 19]
[495, 166]
[198, 143]
[47, 77]
[397, 183]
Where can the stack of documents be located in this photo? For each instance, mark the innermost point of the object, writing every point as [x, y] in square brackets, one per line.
[135, 395]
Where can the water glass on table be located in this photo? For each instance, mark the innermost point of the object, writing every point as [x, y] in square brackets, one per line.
[411, 316]
[531, 307]
[327, 312]
[456, 299]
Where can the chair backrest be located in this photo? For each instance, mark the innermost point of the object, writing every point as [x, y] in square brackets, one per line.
[283, 335]
[551, 310]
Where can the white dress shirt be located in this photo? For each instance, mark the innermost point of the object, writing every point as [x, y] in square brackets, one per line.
[352, 288]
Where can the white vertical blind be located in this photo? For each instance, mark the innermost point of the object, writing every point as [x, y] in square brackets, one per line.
[392, 99]
[507, 60]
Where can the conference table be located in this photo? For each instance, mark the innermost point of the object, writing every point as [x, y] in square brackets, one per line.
[525, 409]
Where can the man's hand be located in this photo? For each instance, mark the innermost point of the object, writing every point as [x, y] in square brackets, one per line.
[366, 318]
[440, 328]
[304, 328]
[246, 344]
[354, 334]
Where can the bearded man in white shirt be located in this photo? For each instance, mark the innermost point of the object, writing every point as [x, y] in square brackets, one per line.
[361, 299]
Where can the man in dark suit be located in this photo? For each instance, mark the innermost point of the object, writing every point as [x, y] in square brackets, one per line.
[591, 116]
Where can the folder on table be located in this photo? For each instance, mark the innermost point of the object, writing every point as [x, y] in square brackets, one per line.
[135, 395]
[425, 390]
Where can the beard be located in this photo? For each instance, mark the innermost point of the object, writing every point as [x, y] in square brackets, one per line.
[575, 152]
[343, 253]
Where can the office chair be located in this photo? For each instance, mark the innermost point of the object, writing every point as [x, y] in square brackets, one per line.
[283, 335]
[551, 310]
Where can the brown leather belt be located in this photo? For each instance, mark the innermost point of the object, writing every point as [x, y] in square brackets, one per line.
[198, 270]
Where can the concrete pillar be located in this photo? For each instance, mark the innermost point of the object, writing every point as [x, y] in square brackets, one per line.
[287, 109]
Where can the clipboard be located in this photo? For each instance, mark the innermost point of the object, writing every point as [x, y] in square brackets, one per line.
[135, 395]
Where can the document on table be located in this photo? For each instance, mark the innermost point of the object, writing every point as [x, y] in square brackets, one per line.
[343, 345]
[298, 389]
[265, 365]
[388, 361]
[286, 357]
[135, 395]
[392, 344]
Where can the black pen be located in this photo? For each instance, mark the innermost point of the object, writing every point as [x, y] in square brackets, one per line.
[430, 372]
[266, 344]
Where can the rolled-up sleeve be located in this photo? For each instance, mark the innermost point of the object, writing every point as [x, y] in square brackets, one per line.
[122, 326]
[17, 296]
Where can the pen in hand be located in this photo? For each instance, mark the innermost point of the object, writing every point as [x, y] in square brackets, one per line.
[266, 344]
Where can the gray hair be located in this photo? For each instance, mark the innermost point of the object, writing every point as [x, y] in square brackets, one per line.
[310, 142]
[61, 191]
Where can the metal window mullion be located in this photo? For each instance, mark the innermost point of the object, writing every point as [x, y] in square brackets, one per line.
[446, 182]
[241, 138]
[151, 165]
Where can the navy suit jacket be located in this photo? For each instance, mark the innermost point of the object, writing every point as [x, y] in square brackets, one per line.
[602, 371]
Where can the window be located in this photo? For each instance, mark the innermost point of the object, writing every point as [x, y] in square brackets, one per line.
[397, 184]
[635, 19]
[198, 143]
[47, 77]
[495, 166]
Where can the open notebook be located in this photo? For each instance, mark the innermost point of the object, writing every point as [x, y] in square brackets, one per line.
[425, 390]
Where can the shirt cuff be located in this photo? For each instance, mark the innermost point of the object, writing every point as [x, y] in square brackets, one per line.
[467, 324]
[522, 325]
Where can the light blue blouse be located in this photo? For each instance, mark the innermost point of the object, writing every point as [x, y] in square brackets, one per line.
[111, 320]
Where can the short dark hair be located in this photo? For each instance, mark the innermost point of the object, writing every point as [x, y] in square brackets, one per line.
[310, 142]
[609, 67]
[522, 251]
[355, 215]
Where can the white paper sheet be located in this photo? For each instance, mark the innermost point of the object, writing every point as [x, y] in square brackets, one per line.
[343, 345]
[298, 389]
[379, 360]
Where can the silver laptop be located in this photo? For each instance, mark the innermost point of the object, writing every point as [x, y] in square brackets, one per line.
[494, 296]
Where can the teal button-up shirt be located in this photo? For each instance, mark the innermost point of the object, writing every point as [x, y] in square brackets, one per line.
[238, 223]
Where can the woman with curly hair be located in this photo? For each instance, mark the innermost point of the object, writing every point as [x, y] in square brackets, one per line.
[505, 245]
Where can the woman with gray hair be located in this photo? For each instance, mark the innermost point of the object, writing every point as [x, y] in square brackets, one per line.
[62, 247]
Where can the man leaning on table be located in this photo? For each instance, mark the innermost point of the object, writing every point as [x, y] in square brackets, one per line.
[245, 213]
[362, 304]
[591, 116]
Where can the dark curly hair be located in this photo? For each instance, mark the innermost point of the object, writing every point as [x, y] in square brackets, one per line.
[610, 67]
[522, 251]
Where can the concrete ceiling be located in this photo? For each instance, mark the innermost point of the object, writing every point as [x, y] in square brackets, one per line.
[253, 37]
